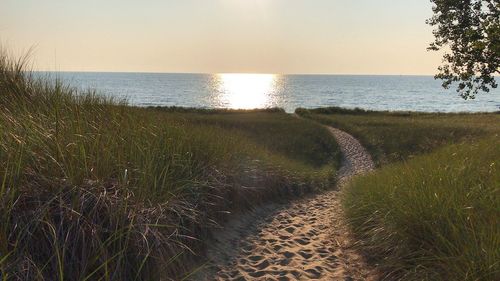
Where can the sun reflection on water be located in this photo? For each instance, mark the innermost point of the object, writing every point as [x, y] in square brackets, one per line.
[246, 91]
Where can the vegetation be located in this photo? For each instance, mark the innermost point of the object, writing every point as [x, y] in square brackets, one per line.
[470, 30]
[396, 136]
[434, 217]
[92, 189]
[262, 126]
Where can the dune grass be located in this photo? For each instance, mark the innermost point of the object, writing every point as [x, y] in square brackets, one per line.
[431, 212]
[396, 136]
[92, 189]
[435, 217]
[262, 127]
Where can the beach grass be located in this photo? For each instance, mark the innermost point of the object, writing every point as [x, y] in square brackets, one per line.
[396, 136]
[94, 189]
[262, 127]
[431, 211]
[434, 217]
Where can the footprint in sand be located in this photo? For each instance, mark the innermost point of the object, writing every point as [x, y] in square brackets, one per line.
[257, 273]
[285, 262]
[288, 254]
[313, 273]
[305, 254]
[303, 241]
[264, 264]
[284, 237]
[255, 258]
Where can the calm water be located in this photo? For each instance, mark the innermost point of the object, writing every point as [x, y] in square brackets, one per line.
[415, 93]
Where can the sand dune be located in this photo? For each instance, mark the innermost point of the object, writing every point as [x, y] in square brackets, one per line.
[303, 240]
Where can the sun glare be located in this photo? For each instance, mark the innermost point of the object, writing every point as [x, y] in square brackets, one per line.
[246, 91]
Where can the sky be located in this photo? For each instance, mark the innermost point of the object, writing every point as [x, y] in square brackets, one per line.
[223, 36]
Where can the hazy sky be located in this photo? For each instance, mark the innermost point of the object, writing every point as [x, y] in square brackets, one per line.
[211, 36]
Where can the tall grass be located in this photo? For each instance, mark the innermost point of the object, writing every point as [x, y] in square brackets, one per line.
[262, 126]
[92, 189]
[396, 136]
[435, 217]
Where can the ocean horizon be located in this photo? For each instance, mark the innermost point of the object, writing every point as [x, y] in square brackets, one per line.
[420, 93]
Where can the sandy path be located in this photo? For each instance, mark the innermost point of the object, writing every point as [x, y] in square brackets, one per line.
[302, 240]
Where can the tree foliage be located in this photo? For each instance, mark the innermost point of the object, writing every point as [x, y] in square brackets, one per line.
[469, 31]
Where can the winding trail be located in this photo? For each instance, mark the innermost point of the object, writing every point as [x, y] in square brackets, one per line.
[302, 240]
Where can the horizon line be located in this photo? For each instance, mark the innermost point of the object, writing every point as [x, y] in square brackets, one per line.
[218, 73]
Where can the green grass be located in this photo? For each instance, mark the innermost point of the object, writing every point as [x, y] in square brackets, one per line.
[431, 212]
[262, 127]
[435, 217]
[396, 136]
[92, 189]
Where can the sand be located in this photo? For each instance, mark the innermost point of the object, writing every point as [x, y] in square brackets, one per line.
[306, 239]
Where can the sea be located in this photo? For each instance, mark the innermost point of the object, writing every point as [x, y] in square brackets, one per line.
[248, 91]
